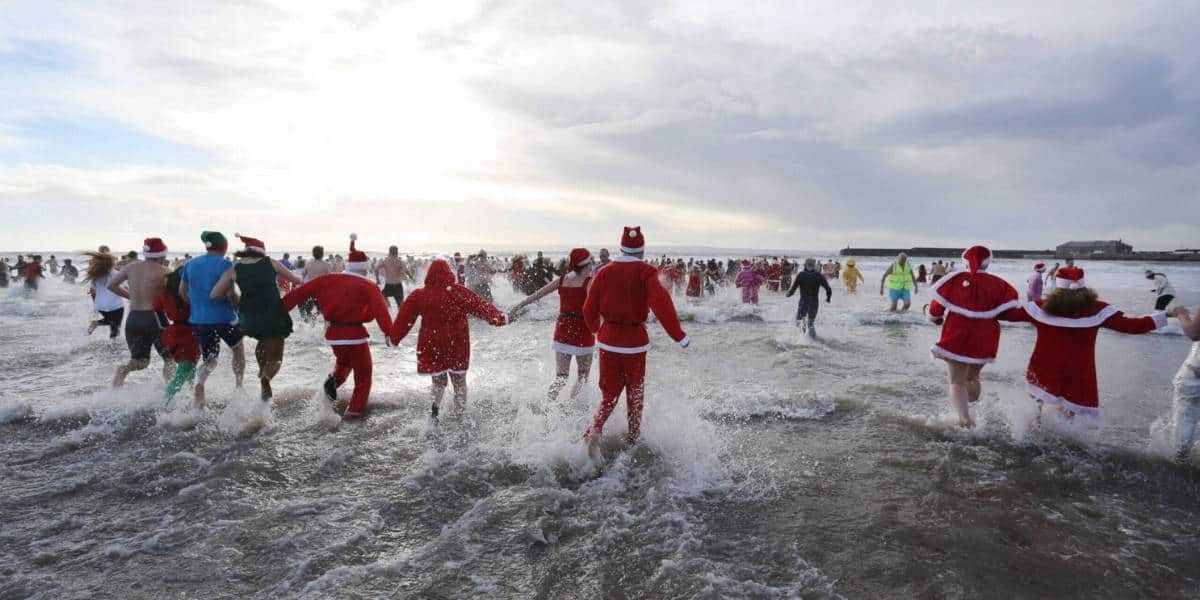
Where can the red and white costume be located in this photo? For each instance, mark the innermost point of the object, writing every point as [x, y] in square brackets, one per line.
[621, 297]
[1062, 370]
[348, 300]
[444, 340]
[571, 333]
[974, 301]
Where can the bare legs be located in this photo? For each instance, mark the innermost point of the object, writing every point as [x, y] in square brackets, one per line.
[269, 355]
[562, 372]
[438, 390]
[210, 365]
[124, 370]
[965, 388]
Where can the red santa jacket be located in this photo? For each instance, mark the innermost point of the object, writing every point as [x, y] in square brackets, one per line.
[971, 333]
[347, 302]
[1062, 370]
[444, 341]
[178, 338]
[623, 294]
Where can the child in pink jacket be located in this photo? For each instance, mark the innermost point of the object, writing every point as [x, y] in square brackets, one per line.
[749, 280]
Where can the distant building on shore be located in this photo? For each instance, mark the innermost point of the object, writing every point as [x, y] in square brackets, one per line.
[1107, 247]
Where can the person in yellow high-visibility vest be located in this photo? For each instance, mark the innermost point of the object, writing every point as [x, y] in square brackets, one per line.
[898, 278]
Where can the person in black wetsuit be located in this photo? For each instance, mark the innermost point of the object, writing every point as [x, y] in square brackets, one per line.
[809, 281]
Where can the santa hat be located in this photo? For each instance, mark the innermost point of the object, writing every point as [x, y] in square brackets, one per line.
[579, 257]
[154, 248]
[1070, 278]
[356, 260]
[745, 263]
[632, 241]
[252, 244]
[214, 240]
[1039, 267]
[977, 257]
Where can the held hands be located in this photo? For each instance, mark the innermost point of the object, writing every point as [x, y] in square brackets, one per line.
[1178, 310]
[685, 343]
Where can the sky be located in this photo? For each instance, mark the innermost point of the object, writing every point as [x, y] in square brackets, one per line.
[444, 125]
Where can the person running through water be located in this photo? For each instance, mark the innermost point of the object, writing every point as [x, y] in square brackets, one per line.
[1163, 291]
[147, 279]
[1185, 412]
[749, 280]
[899, 278]
[571, 335]
[34, 272]
[69, 272]
[349, 300]
[178, 339]
[100, 267]
[260, 312]
[214, 320]
[620, 299]
[444, 339]
[1033, 285]
[851, 276]
[53, 265]
[809, 281]
[394, 273]
[4, 273]
[969, 304]
[314, 268]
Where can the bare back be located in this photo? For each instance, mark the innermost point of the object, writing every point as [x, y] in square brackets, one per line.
[394, 270]
[146, 280]
[315, 268]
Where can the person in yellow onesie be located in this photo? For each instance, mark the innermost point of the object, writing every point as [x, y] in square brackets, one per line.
[851, 276]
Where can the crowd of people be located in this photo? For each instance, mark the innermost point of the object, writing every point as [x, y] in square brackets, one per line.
[186, 309]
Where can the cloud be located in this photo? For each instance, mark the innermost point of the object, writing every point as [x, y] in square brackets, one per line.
[811, 125]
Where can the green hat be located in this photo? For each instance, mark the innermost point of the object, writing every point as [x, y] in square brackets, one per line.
[214, 240]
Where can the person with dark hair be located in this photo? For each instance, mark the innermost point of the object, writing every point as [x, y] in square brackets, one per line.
[260, 311]
[571, 335]
[809, 282]
[34, 272]
[214, 319]
[143, 330]
[394, 273]
[1062, 370]
[69, 272]
[314, 268]
[179, 339]
[1164, 293]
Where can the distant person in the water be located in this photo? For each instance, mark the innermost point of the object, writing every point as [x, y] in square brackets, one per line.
[572, 338]
[179, 338]
[100, 268]
[899, 278]
[444, 339]
[749, 280]
[695, 284]
[937, 271]
[213, 319]
[314, 268]
[394, 271]
[4, 268]
[774, 275]
[620, 299]
[52, 264]
[1186, 403]
[260, 311]
[809, 281]
[851, 276]
[143, 331]
[34, 272]
[1164, 293]
[1052, 278]
[969, 303]
[1062, 370]
[70, 272]
[921, 273]
[1033, 285]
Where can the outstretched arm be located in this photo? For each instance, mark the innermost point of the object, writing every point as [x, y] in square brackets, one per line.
[114, 284]
[302, 293]
[883, 280]
[406, 318]
[1135, 325]
[538, 295]
[664, 308]
[379, 310]
[828, 290]
[224, 285]
[286, 273]
[475, 304]
[1190, 324]
[795, 284]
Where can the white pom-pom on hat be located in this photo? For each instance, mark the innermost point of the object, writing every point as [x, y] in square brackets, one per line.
[633, 233]
[572, 275]
[449, 288]
[353, 237]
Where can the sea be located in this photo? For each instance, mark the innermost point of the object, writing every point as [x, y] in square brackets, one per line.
[772, 465]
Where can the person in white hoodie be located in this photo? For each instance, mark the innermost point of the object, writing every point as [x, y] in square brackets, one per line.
[1163, 291]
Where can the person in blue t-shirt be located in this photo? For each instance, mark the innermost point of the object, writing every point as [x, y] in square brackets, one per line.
[212, 320]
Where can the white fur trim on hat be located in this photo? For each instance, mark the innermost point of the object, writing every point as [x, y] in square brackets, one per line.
[1070, 284]
[632, 250]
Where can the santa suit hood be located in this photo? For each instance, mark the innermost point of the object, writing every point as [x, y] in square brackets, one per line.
[444, 340]
[974, 300]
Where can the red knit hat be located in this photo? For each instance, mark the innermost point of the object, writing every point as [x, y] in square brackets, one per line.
[154, 248]
[632, 241]
[252, 244]
[977, 257]
[1070, 278]
[356, 260]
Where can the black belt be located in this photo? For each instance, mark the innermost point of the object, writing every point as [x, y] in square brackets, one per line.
[624, 324]
[344, 323]
[567, 315]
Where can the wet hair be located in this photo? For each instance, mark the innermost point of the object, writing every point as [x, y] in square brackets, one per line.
[393, 251]
[1066, 302]
[318, 252]
[172, 286]
[100, 264]
[248, 253]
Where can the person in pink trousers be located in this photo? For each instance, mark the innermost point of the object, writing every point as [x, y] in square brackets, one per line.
[749, 280]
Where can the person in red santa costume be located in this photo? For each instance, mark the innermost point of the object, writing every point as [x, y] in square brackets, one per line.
[1062, 370]
[348, 300]
[572, 338]
[444, 340]
[969, 303]
[620, 299]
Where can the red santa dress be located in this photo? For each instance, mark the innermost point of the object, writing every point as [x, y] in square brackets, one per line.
[348, 300]
[571, 334]
[444, 340]
[971, 302]
[618, 303]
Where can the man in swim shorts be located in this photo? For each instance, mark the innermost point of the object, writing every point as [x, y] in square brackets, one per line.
[899, 278]
[212, 320]
[143, 330]
[394, 273]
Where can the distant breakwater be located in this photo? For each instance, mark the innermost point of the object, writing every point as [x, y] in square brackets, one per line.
[956, 253]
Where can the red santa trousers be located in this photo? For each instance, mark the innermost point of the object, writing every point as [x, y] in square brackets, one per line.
[357, 358]
[621, 372]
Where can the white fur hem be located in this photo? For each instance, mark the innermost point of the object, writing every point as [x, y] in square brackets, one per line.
[347, 342]
[940, 352]
[573, 350]
[1095, 320]
[1048, 398]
